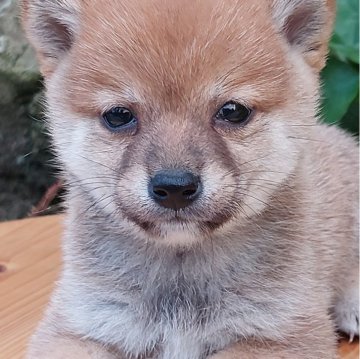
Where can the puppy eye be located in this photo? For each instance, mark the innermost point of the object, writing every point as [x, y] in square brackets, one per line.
[233, 112]
[119, 117]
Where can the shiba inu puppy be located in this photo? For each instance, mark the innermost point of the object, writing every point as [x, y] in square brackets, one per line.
[209, 214]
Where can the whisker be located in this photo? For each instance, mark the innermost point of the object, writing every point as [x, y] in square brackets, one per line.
[98, 163]
[305, 139]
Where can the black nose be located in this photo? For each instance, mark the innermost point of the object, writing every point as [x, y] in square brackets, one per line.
[174, 189]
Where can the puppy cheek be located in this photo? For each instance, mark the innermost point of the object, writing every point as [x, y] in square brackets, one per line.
[70, 142]
[262, 169]
[216, 179]
[219, 187]
[132, 190]
[277, 165]
[86, 162]
[285, 152]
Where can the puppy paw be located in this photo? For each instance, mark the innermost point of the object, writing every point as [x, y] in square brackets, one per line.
[347, 315]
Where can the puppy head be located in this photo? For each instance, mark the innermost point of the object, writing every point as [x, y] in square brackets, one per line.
[179, 118]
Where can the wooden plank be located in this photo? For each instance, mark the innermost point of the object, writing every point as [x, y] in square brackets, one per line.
[29, 262]
[29, 265]
[349, 350]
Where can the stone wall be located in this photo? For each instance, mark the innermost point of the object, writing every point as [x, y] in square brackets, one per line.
[25, 171]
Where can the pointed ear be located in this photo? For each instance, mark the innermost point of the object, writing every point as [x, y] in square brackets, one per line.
[307, 26]
[51, 26]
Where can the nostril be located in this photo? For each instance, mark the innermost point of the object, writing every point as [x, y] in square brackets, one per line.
[160, 193]
[189, 192]
[174, 189]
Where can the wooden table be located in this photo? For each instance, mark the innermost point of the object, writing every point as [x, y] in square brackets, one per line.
[29, 264]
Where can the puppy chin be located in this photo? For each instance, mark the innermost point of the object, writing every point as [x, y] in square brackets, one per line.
[182, 234]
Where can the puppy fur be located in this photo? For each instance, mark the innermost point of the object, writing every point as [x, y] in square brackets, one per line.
[265, 263]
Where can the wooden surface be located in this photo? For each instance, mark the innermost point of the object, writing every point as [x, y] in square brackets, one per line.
[29, 265]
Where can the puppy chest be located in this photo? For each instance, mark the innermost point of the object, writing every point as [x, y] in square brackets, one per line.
[170, 319]
[182, 325]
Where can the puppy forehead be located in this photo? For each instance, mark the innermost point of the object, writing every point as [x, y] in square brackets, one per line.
[174, 49]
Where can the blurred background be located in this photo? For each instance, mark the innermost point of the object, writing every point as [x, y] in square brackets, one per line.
[28, 180]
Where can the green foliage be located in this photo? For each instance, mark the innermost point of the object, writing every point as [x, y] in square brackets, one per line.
[340, 77]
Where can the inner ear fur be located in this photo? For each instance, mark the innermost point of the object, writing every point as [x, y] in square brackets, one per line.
[51, 26]
[307, 26]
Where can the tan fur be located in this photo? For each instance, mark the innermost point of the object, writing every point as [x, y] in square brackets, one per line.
[268, 256]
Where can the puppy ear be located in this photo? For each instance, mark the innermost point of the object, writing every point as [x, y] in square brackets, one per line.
[307, 26]
[51, 26]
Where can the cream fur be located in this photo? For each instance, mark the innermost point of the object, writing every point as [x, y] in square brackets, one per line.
[265, 263]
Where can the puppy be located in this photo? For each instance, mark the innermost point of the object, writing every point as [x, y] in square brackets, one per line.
[209, 214]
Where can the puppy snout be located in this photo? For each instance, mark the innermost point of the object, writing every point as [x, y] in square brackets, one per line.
[174, 189]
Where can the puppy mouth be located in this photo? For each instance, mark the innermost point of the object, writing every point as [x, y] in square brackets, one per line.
[177, 220]
[200, 218]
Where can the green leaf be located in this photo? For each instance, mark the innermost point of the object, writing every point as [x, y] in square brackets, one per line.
[345, 41]
[340, 88]
[351, 120]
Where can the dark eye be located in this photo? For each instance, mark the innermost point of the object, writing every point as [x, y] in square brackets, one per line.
[119, 117]
[234, 112]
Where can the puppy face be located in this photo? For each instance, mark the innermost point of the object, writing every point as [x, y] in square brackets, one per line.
[179, 119]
